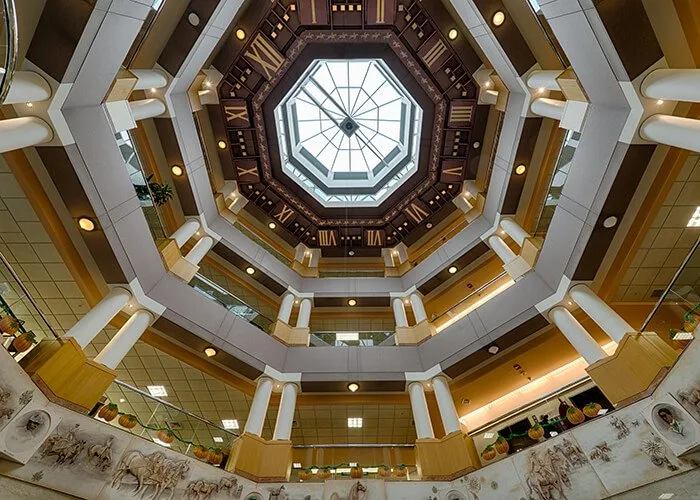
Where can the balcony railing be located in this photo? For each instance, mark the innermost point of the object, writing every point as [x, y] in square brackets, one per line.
[9, 39]
[352, 339]
[146, 29]
[214, 292]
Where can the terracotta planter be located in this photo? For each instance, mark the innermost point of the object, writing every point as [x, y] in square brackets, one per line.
[127, 421]
[9, 325]
[591, 410]
[166, 436]
[574, 415]
[536, 432]
[108, 412]
[215, 456]
[356, 472]
[502, 445]
[201, 452]
[24, 341]
[489, 453]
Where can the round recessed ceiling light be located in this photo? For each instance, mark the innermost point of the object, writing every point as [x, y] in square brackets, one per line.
[210, 352]
[250, 270]
[493, 349]
[272, 225]
[31, 105]
[610, 222]
[660, 102]
[176, 170]
[452, 34]
[452, 269]
[476, 145]
[240, 34]
[86, 224]
[498, 18]
[520, 169]
[352, 302]
[351, 253]
[193, 19]
[429, 225]
[221, 144]
[353, 387]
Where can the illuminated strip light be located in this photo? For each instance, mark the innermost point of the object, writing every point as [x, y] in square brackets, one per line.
[476, 304]
[536, 390]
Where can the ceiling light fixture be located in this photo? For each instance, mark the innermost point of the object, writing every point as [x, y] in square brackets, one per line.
[272, 225]
[493, 349]
[452, 34]
[354, 422]
[230, 424]
[610, 222]
[218, 439]
[660, 102]
[541, 90]
[86, 224]
[352, 302]
[162, 443]
[429, 225]
[122, 400]
[210, 352]
[157, 391]
[176, 170]
[351, 253]
[452, 270]
[353, 386]
[240, 34]
[498, 18]
[520, 169]
[221, 144]
[694, 220]
[296, 465]
[488, 84]
[250, 270]
[30, 105]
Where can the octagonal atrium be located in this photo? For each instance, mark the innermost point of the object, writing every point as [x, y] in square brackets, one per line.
[350, 249]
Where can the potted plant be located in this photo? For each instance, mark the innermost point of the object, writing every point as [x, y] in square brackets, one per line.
[24, 341]
[108, 412]
[159, 193]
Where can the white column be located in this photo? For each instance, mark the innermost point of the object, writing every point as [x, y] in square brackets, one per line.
[448, 411]
[258, 408]
[419, 407]
[87, 328]
[304, 313]
[418, 308]
[544, 79]
[199, 250]
[577, 335]
[28, 86]
[120, 345]
[399, 313]
[675, 131]
[185, 232]
[285, 413]
[501, 249]
[604, 316]
[23, 132]
[149, 79]
[672, 85]
[146, 108]
[514, 230]
[550, 108]
[286, 308]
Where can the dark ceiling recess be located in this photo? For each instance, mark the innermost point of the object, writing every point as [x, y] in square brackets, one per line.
[523, 156]
[236, 260]
[411, 39]
[343, 302]
[464, 261]
[365, 386]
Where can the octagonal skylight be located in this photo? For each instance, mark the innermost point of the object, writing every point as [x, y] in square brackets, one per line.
[349, 132]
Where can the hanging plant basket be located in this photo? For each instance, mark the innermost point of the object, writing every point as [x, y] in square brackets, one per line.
[108, 412]
[24, 342]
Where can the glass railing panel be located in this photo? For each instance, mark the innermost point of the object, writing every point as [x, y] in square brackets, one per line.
[352, 339]
[165, 423]
[556, 184]
[351, 273]
[141, 184]
[20, 316]
[8, 46]
[677, 312]
[214, 292]
[257, 239]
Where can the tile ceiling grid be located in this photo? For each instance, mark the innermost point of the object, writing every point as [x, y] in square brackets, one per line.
[668, 241]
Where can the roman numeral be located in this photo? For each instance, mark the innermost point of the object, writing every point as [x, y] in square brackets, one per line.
[373, 238]
[284, 214]
[313, 12]
[236, 113]
[434, 53]
[327, 238]
[264, 56]
[243, 171]
[381, 6]
[461, 113]
[455, 171]
[416, 213]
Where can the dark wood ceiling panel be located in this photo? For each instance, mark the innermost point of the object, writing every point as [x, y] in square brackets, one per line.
[631, 33]
[60, 27]
[66, 180]
[171, 148]
[523, 156]
[628, 177]
[508, 35]
[520, 332]
[237, 261]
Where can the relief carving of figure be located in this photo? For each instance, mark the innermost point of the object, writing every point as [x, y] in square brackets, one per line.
[101, 454]
[549, 471]
[5, 401]
[154, 472]
[201, 490]
[65, 447]
[231, 486]
[622, 430]
[601, 452]
[572, 453]
[358, 491]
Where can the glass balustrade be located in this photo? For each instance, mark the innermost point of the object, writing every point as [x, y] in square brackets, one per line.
[351, 339]
[144, 32]
[165, 423]
[8, 46]
[677, 312]
[257, 239]
[214, 292]
[22, 323]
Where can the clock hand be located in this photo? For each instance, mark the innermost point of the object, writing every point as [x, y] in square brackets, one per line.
[328, 96]
[323, 110]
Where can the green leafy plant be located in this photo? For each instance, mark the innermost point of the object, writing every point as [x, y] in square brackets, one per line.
[159, 193]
